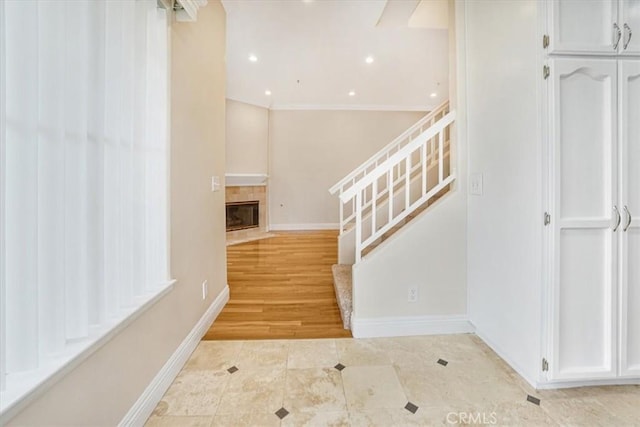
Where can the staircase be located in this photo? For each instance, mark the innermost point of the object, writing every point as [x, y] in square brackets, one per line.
[382, 195]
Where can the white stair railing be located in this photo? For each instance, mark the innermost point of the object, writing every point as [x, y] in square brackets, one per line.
[347, 213]
[378, 185]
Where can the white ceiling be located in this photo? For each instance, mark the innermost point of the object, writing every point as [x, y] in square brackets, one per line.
[311, 54]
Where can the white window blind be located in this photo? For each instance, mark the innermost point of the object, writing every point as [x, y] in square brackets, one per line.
[84, 178]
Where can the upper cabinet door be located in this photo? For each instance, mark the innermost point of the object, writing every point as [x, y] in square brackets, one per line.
[582, 27]
[630, 226]
[630, 26]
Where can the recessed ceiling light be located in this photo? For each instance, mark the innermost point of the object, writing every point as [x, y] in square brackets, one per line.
[352, 93]
[267, 92]
[369, 59]
[433, 95]
[253, 58]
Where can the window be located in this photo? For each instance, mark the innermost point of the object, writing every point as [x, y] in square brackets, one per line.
[83, 179]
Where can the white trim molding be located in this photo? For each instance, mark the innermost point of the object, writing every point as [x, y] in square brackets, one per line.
[410, 326]
[515, 366]
[245, 179]
[337, 107]
[187, 10]
[347, 107]
[298, 227]
[592, 383]
[146, 403]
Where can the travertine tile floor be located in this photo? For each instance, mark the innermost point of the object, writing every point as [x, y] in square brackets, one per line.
[421, 381]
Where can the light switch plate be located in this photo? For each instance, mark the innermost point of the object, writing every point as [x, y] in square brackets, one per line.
[215, 183]
[475, 184]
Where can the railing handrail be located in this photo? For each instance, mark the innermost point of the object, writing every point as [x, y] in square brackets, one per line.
[384, 167]
[363, 166]
[395, 183]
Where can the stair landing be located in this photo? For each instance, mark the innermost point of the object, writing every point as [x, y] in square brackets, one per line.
[342, 283]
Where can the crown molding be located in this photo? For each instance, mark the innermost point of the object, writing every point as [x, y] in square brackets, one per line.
[349, 107]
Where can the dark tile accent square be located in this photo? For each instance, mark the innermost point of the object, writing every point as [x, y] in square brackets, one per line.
[443, 362]
[281, 413]
[411, 407]
[339, 366]
[232, 370]
[533, 400]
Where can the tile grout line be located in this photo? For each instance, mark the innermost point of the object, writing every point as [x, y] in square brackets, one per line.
[286, 377]
[226, 386]
[344, 391]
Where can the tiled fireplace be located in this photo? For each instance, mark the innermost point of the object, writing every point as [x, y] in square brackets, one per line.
[246, 212]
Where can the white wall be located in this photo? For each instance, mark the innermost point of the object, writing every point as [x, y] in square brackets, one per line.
[312, 150]
[429, 254]
[503, 74]
[101, 390]
[247, 138]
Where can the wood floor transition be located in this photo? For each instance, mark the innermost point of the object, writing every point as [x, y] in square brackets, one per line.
[281, 287]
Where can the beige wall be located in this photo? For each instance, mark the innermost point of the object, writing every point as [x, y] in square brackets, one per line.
[247, 138]
[101, 390]
[312, 150]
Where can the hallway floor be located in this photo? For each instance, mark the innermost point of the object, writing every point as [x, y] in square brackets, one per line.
[421, 381]
[281, 287]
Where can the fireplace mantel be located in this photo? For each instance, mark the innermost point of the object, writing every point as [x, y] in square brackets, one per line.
[245, 179]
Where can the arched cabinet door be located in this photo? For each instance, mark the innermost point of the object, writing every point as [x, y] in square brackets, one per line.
[584, 192]
[630, 228]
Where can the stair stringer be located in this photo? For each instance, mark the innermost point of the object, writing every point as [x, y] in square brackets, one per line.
[429, 253]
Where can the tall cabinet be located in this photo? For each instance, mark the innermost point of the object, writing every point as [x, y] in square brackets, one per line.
[593, 60]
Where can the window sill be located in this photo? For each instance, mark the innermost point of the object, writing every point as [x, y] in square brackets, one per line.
[23, 388]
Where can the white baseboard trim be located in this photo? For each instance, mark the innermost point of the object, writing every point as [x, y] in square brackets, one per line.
[311, 226]
[515, 366]
[146, 403]
[569, 384]
[572, 383]
[410, 325]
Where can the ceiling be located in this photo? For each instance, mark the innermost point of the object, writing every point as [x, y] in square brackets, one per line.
[311, 54]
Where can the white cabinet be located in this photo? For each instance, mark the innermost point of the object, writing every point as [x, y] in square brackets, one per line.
[595, 184]
[584, 123]
[594, 27]
[629, 72]
[629, 18]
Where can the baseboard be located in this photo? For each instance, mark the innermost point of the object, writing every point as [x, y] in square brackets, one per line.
[309, 226]
[146, 403]
[516, 367]
[409, 326]
[570, 384]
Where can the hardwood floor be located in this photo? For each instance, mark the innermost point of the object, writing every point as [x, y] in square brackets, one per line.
[281, 287]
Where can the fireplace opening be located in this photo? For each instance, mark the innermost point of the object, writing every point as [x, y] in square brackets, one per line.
[242, 215]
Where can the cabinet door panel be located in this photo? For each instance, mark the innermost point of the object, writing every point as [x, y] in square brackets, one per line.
[630, 337]
[630, 15]
[584, 302]
[584, 131]
[579, 26]
[630, 196]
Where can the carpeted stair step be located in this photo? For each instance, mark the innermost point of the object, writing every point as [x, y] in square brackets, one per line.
[342, 282]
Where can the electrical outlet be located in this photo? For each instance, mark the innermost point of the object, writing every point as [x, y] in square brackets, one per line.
[412, 295]
[205, 289]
